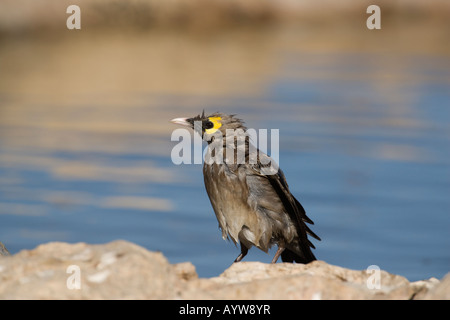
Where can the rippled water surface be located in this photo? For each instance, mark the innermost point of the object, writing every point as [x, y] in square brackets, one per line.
[364, 142]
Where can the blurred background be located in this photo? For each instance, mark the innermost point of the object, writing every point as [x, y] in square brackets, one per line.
[363, 115]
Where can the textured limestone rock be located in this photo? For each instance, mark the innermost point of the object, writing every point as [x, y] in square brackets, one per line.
[123, 270]
[117, 270]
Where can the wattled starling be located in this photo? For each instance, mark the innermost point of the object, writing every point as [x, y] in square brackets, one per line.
[249, 193]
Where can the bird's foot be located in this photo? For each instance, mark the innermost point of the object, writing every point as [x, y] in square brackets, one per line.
[278, 254]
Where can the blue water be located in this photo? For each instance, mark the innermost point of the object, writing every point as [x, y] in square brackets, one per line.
[367, 155]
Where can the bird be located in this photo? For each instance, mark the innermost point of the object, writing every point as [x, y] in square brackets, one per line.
[253, 205]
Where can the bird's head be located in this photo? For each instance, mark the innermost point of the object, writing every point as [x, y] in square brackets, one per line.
[208, 125]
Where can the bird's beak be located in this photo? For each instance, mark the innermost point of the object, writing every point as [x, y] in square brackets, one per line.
[181, 121]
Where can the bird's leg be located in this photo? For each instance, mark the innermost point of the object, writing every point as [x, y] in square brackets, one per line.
[244, 251]
[277, 254]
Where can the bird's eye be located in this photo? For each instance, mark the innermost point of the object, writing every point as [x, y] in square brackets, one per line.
[208, 125]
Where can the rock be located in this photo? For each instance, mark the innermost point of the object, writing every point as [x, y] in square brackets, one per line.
[437, 290]
[185, 271]
[123, 270]
[117, 270]
[316, 280]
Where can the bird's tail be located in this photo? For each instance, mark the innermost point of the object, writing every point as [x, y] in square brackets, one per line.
[291, 256]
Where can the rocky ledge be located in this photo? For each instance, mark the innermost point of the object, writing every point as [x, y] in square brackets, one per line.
[123, 270]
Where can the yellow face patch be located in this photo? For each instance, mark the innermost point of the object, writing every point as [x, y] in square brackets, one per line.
[216, 122]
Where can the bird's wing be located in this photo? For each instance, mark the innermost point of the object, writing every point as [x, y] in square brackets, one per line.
[293, 207]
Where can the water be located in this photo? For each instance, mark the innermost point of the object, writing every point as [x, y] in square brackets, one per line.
[364, 144]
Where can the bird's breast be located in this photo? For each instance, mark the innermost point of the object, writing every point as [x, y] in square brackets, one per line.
[228, 193]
